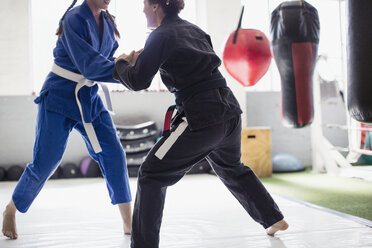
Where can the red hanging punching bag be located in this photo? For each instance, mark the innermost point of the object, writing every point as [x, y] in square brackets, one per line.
[247, 55]
[295, 38]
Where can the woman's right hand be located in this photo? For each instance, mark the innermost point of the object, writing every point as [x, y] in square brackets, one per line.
[135, 56]
[125, 56]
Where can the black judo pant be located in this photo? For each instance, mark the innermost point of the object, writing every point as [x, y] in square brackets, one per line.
[175, 154]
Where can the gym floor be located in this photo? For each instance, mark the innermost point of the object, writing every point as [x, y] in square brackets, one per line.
[199, 213]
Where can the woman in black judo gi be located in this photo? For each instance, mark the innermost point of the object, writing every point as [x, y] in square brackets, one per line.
[207, 123]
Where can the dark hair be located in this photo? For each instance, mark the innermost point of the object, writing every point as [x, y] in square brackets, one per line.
[112, 19]
[170, 7]
[107, 15]
[60, 27]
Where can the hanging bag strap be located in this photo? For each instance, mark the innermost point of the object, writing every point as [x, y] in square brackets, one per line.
[239, 26]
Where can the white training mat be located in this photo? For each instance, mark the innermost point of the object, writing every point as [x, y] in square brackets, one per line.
[199, 213]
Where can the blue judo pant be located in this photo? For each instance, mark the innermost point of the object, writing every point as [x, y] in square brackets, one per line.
[52, 132]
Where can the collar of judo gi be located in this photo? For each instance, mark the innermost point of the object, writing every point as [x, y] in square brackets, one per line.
[170, 19]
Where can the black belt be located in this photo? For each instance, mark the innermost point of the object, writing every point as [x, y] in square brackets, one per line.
[217, 81]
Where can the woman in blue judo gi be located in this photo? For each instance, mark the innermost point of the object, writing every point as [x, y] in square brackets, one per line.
[207, 123]
[69, 100]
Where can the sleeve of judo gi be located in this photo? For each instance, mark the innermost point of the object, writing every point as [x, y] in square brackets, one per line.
[111, 57]
[157, 50]
[90, 62]
[209, 40]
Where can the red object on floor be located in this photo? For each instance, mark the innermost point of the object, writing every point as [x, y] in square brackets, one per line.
[249, 58]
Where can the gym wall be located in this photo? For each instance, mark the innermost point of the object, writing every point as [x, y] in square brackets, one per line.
[18, 112]
[18, 115]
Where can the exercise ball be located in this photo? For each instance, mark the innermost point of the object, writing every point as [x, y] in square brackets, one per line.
[90, 168]
[69, 170]
[2, 173]
[285, 162]
[14, 172]
[57, 173]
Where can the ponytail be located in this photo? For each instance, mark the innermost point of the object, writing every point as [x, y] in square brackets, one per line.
[170, 7]
[60, 27]
[112, 19]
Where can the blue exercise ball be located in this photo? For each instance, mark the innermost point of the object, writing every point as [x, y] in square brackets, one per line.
[285, 162]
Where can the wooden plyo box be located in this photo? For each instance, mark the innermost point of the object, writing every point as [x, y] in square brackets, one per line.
[256, 150]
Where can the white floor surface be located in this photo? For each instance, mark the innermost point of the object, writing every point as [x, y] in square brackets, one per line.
[199, 213]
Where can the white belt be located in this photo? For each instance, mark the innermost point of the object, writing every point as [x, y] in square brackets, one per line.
[80, 82]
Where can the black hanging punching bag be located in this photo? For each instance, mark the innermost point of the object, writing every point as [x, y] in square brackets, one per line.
[295, 38]
[359, 59]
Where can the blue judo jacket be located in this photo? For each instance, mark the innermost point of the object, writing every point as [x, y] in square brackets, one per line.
[81, 49]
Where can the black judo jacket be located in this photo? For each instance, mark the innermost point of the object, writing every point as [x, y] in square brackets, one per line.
[188, 65]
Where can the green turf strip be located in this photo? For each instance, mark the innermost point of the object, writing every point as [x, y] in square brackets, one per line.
[347, 195]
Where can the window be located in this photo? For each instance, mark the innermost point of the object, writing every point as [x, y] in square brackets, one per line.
[130, 20]
[132, 26]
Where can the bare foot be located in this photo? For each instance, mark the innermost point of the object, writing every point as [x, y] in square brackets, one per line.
[9, 221]
[127, 229]
[278, 226]
[126, 214]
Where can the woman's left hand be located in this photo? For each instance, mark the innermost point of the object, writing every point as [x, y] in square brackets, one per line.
[131, 58]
